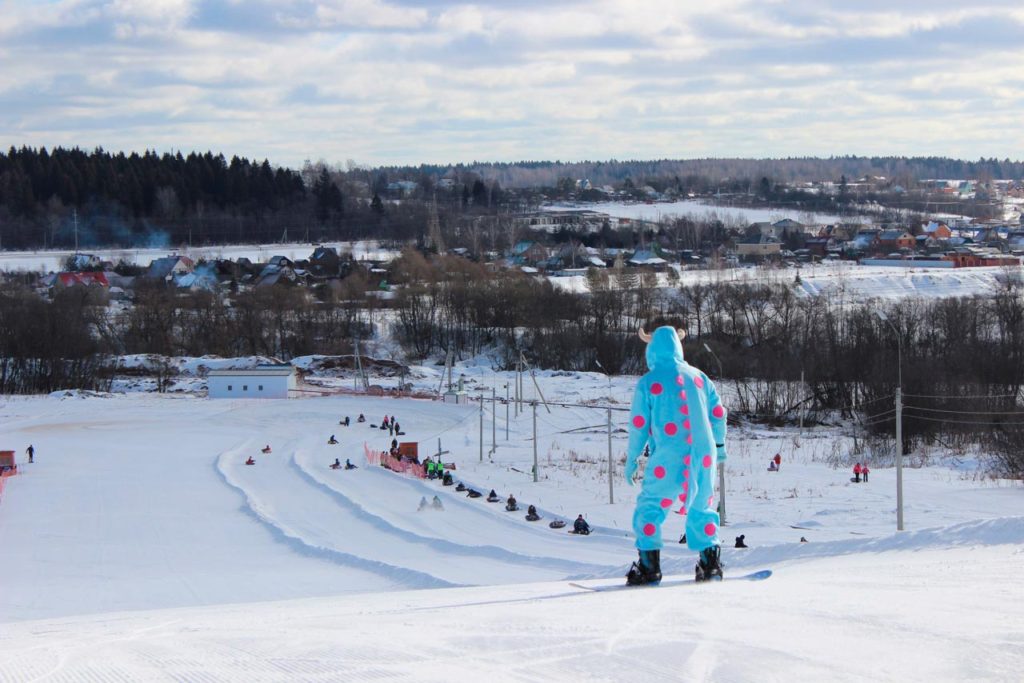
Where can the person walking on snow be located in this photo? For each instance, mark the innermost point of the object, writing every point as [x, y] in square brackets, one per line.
[31, 453]
[677, 413]
[864, 472]
[856, 473]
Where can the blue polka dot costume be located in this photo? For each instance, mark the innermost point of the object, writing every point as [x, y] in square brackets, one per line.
[677, 413]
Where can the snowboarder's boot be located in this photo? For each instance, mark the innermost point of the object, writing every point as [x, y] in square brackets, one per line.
[646, 570]
[709, 568]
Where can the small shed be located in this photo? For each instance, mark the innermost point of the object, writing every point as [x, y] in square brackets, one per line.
[262, 381]
[7, 463]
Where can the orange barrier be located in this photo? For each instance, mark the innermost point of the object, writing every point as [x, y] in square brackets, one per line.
[400, 465]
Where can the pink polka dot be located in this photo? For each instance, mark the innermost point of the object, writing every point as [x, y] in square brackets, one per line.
[686, 486]
[698, 382]
[707, 461]
[718, 411]
[709, 529]
[639, 421]
[649, 529]
[689, 438]
[682, 395]
[686, 424]
[686, 474]
[671, 429]
[681, 511]
[686, 460]
[679, 380]
[682, 497]
[711, 501]
[656, 388]
[659, 472]
[666, 502]
[685, 409]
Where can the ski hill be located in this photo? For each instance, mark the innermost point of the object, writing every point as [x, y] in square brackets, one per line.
[139, 546]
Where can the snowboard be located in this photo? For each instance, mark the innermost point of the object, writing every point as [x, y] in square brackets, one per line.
[674, 581]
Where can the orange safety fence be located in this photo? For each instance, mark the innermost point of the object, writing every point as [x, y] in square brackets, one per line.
[400, 465]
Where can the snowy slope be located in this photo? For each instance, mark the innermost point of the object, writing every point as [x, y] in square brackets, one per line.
[139, 547]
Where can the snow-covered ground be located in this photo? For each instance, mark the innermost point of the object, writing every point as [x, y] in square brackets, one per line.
[139, 547]
[849, 280]
[49, 261]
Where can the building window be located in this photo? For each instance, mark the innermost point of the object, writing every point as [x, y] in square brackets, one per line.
[261, 387]
[229, 387]
[245, 387]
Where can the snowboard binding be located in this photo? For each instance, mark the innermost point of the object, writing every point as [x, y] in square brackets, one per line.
[709, 567]
[646, 570]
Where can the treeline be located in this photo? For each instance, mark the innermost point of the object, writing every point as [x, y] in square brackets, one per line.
[62, 198]
[793, 169]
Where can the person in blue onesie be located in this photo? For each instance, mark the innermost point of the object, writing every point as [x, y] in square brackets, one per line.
[677, 414]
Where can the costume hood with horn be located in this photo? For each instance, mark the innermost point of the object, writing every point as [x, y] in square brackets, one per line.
[676, 413]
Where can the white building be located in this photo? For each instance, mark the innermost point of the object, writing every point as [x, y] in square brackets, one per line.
[263, 381]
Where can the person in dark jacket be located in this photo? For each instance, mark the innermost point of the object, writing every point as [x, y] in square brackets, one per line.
[31, 453]
[580, 526]
[740, 541]
[531, 514]
[511, 505]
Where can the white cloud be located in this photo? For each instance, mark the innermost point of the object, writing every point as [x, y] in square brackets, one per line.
[453, 81]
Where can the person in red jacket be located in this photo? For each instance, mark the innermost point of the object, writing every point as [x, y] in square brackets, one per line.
[856, 473]
[864, 472]
[778, 461]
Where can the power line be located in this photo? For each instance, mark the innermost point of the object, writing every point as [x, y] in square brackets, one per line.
[965, 422]
[959, 396]
[966, 412]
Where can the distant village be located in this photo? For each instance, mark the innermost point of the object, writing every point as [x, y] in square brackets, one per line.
[566, 242]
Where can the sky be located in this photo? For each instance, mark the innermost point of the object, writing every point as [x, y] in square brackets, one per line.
[403, 82]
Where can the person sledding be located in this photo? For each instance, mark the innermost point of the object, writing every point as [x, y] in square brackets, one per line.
[361, 418]
[493, 497]
[447, 479]
[676, 411]
[349, 465]
[741, 541]
[511, 505]
[778, 461]
[531, 514]
[772, 467]
[437, 504]
[345, 422]
[265, 449]
[423, 504]
[332, 440]
[473, 493]
[250, 461]
[336, 465]
[580, 526]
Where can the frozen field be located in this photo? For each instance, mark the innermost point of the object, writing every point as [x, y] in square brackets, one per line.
[139, 547]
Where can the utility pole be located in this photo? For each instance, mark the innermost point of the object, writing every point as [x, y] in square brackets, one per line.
[481, 427]
[802, 397]
[506, 411]
[899, 459]
[534, 404]
[494, 420]
[611, 467]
